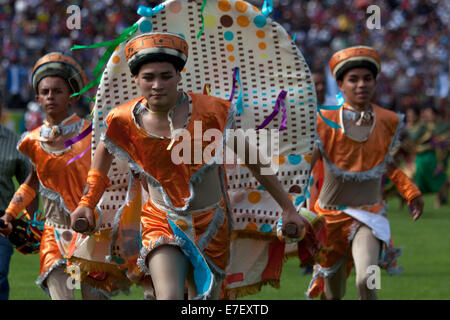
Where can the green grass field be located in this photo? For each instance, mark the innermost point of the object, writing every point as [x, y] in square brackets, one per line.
[425, 259]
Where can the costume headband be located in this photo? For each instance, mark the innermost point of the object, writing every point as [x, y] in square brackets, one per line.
[59, 65]
[159, 47]
[354, 57]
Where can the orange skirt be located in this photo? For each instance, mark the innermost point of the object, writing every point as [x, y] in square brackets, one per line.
[341, 229]
[49, 254]
[156, 231]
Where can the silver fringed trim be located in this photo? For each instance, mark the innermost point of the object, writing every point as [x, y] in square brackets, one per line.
[41, 279]
[115, 225]
[141, 261]
[373, 173]
[196, 178]
[54, 196]
[99, 293]
[395, 142]
[319, 271]
[211, 231]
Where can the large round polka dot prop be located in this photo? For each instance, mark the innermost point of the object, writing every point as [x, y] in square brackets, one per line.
[272, 75]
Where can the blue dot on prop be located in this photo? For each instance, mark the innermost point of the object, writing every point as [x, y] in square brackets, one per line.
[228, 35]
[294, 159]
[145, 26]
[260, 21]
[182, 35]
[265, 228]
[299, 200]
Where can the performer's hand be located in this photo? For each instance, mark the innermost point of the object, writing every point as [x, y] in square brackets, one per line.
[79, 213]
[416, 207]
[5, 225]
[291, 217]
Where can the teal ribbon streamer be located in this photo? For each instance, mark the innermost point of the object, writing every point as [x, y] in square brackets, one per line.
[203, 20]
[111, 44]
[267, 8]
[203, 276]
[149, 11]
[332, 124]
[239, 103]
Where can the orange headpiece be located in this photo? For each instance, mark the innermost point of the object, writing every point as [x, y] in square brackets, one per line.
[57, 64]
[354, 57]
[157, 47]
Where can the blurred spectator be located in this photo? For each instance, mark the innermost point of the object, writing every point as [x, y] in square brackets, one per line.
[413, 40]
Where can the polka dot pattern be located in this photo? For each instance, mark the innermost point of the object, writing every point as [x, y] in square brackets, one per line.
[236, 34]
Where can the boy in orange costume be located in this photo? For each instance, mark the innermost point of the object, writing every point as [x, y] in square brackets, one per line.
[59, 170]
[186, 221]
[352, 160]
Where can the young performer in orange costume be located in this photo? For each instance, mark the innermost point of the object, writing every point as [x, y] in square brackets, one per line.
[59, 170]
[351, 161]
[186, 220]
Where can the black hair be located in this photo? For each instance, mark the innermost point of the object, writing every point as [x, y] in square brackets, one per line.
[356, 64]
[177, 62]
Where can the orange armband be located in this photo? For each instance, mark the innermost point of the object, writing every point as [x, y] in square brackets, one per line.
[404, 185]
[23, 196]
[97, 182]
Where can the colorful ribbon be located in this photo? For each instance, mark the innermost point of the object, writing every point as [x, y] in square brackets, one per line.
[203, 20]
[149, 11]
[207, 89]
[111, 44]
[280, 102]
[78, 156]
[80, 137]
[267, 8]
[340, 100]
[237, 79]
[203, 276]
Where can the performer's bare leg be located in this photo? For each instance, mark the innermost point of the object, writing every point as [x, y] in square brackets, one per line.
[334, 286]
[57, 285]
[365, 251]
[168, 267]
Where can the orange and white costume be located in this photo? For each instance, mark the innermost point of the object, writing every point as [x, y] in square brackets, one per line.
[347, 179]
[61, 187]
[60, 157]
[193, 196]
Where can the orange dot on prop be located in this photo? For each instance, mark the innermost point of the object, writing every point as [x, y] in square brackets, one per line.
[175, 7]
[251, 226]
[230, 47]
[243, 21]
[262, 45]
[307, 158]
[254, 197]
[231, 58]
[260, 34]
[184, 69]
[116, 59]
[224, 5]
[279, 160]
[241, 6]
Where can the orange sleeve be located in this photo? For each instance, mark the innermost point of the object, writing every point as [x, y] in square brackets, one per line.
[404, 185]
[97, 182]
[23, 197]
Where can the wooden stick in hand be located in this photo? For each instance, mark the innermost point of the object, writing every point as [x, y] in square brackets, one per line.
[81, 225]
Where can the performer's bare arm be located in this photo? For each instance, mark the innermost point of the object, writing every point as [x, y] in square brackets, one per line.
[102, 161]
